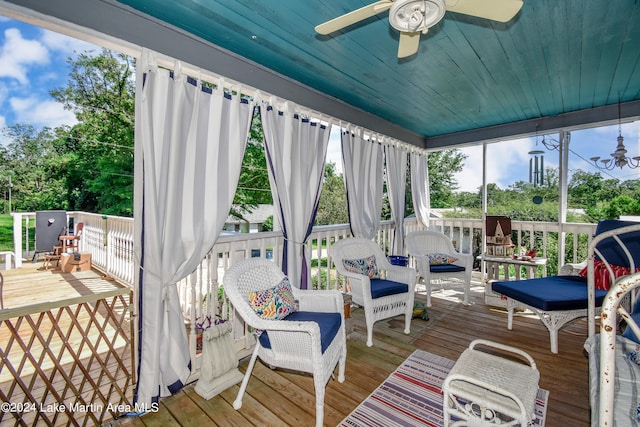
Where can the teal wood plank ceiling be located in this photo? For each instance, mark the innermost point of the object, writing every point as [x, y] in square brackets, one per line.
[554, 57]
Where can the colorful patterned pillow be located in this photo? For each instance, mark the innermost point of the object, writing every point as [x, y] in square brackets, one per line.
[441, 259]
[275, 303]
[364, 266]
[602, 279]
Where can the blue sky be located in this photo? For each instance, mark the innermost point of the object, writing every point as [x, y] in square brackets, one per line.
[34, 61]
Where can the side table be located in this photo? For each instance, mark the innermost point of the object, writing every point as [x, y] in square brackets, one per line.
[493, 264]
[530, 266]
[486, 389]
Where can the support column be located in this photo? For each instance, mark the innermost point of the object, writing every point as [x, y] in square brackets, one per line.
[483, 264]
[563, 161]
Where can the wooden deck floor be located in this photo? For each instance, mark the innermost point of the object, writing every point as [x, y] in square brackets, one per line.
[63, 336]
[278, 398]
[33, 285]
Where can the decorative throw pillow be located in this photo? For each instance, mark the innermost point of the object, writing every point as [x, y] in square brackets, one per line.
[601, 277]
[364, 266]
[441, 259]
[274, 303]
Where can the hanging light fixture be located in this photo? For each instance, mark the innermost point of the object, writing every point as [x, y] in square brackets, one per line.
[619, 157]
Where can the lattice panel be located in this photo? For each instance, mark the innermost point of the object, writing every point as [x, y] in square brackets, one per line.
[71, 365]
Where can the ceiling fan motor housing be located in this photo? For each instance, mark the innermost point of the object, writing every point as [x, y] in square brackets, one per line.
[416, 15]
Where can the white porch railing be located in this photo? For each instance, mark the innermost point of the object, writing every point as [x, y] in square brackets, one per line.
[572, 241]
[110, 241]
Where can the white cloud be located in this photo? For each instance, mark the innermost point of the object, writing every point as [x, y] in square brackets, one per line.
[4, 140]
[65, 44]
[334, 149]
[18, 54]
[40, 112]
[507, 162]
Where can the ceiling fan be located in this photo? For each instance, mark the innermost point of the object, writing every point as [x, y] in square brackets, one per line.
[413, 17]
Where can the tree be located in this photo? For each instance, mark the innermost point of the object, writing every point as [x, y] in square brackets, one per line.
[253, 185]
[621, 205]
[332, 206]
[34, 160]
[442, 184]
[99, 158]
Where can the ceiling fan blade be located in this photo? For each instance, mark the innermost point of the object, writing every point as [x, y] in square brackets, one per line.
[352, 17]
[496, 10]
[408, 45]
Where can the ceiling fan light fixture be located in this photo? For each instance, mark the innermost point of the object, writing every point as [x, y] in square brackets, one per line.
[416, 15]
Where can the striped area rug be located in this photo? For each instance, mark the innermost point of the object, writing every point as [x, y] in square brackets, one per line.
[412, 396]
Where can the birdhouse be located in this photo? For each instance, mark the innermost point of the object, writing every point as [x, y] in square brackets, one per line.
[498, 233]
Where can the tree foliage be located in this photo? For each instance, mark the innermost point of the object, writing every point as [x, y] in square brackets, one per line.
[332, 206]
[101, 93]
[89, 166]
[34, 160]
[253, 185]
[443, 165]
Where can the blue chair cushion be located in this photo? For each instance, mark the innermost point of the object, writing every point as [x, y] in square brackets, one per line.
[611, 250]
[329, 324]
[445, 268]
[383, 288]
[550, 293]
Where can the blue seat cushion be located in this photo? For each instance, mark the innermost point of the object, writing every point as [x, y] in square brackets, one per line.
[445, 268]
[384, 287]
[550, 293]
[611, 250]
[329, 324]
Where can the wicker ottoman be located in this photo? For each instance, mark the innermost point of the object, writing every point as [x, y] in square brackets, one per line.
[487, 389]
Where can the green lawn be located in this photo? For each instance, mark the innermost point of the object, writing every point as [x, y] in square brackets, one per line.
[6, 233]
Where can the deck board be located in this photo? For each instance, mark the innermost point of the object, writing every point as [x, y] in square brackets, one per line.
[40, 307]
[277, 397]
[32, 285]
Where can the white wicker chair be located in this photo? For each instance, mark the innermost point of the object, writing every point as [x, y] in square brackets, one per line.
[382, 307]
[295, 345]
[421, 244]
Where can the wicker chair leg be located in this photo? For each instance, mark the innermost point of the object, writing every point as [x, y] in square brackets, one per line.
[427, 285]
[466, 293]
[407, 320]
[341, 365]
[369, 335]
[237, 404]
[320, 387]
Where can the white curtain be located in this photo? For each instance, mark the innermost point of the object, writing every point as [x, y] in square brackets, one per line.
[189, 148]
[396, 159]
[296, 150]
[362, 165]
[420, 187]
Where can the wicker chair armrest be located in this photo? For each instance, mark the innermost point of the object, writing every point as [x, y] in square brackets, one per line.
[422, 264]
[402, 274]
[572, 269]
[309, 327]
[465, 260]
[329, 301]
[360, 287]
